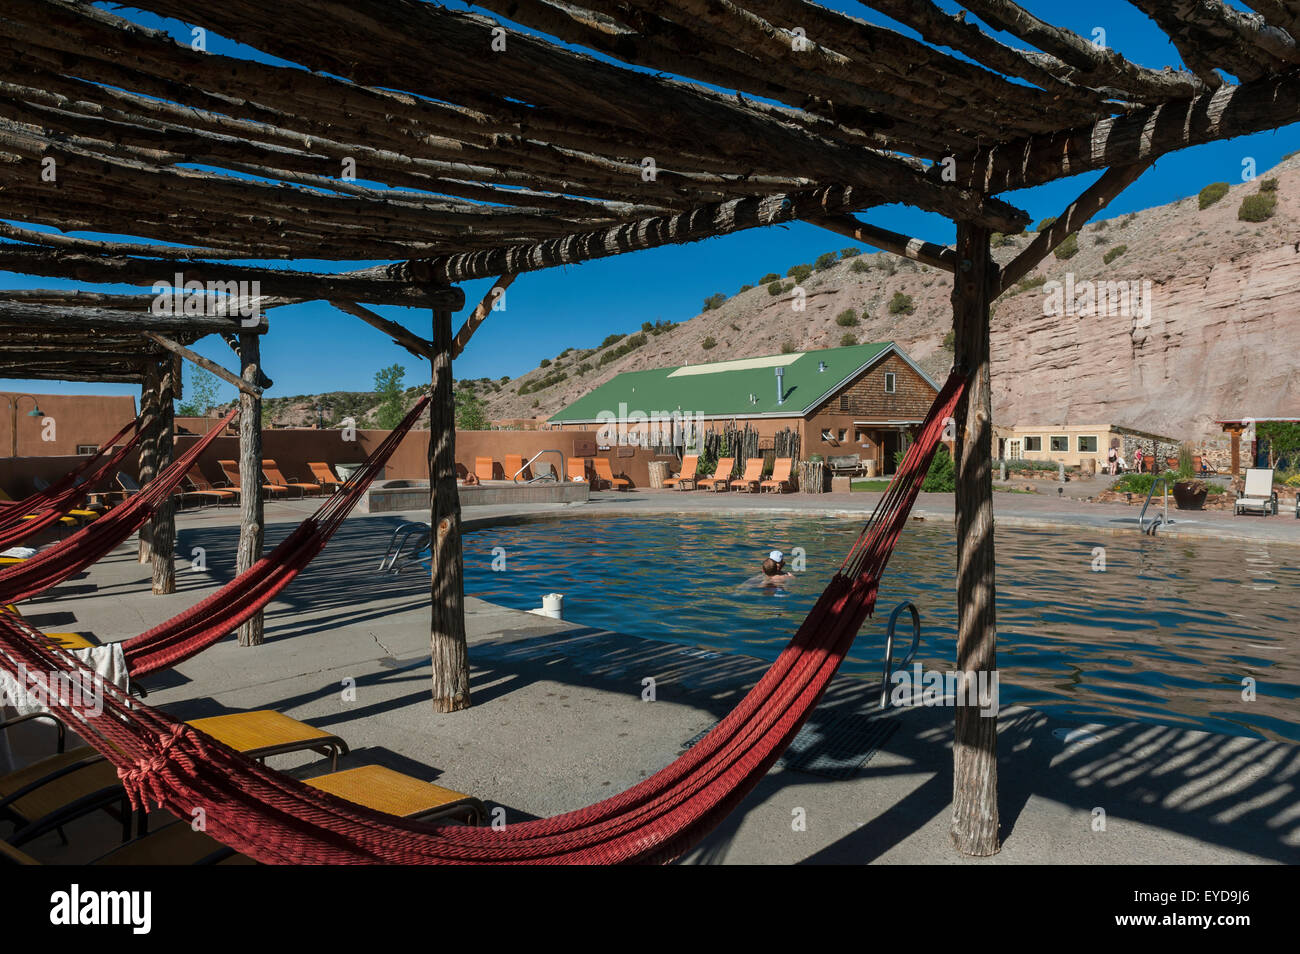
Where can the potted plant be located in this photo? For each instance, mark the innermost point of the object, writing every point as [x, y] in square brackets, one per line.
[1189, 492]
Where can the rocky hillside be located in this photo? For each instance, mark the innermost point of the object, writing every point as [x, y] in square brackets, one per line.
[1219, 342]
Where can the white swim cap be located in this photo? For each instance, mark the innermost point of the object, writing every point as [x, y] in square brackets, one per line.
[776, 556]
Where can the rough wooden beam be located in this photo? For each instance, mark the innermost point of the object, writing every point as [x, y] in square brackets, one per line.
[250, 478]
[448, 651]
[1210, 34]
[1140, 136]
[124, 270]
[400, 335]
[939, 256]
[480, 313]
[1095, 198]
[147, 465]
[162, 532]
[79, 298]
[203, 363]
[76, 318]
[975, 763]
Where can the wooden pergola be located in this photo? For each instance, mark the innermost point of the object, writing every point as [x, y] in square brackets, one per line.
[454, 146]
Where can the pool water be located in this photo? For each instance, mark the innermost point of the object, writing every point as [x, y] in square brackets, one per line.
[1165, 634]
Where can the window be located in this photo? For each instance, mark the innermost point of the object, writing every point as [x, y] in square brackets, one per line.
[85, 450]
[1033, 443]
[826, 435]
[1060, 443]
[891, 382]
[844, 435]
[1087, 445]
[860, 437]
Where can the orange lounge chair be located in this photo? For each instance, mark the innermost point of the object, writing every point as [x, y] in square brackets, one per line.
[324, 476]
[271, 471]
[721, 475]
[748, 481]
[687, 474]
[231, 470]
[515, 467]
[485, 468]
[606, 473]
[577, 469]
[779, 482]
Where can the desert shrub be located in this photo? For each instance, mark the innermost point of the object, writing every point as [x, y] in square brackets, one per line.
[769, 277]
[800, 273]
[708, 344]
[1046, 224]
[714, 301]
[610, 339]
[848, 340]
[1212, 193]
[1268, 185]
[1102, 226]
[825, 260]
[582, 368]
[1069, 248]
[776, 288]
[950, 340]
[859, 266]
[787, 346]
[888, 265]
[629, 345]
[743, 289]
[901, 304]
[544, 363]
[1258, 207]
[847, 318]
[850, 252]
[1114, 253]
[1027, 284]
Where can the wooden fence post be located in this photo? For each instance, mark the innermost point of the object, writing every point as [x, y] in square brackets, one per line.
[250, 475]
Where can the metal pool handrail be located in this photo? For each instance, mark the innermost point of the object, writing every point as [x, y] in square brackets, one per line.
[558, 474]
[889, 646]
[389, 562]
[1142, 516]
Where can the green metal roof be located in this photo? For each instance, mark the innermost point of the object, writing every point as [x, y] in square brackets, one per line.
[724, 388]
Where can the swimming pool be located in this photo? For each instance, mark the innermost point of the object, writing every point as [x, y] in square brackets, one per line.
[1165, 634]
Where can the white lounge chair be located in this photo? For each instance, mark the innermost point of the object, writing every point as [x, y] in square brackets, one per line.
[1258, 495]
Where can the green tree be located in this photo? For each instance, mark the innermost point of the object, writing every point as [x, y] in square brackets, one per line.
[392, 406]
[1283, 441]
[471, 415]
[202, 391]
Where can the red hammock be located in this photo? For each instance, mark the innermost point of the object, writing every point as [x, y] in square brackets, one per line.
[56, 563]
[224, 611]
[42, 497]
[274, 818]
[14, 525]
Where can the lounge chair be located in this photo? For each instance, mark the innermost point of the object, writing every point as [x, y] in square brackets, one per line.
[266, 732]
[231, 470]
[686, 475]
[515, 468]
[721, 475]
[85, 516]
[748, 481]
[779, 482]
[577, 469]
[174, 844]
[393, 793]
[271, 471]
[485, 468]
[324, 476]
[197, 485]
[1258, 495]
[606, 473]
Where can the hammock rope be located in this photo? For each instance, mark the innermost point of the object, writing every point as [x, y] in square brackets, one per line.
[274, 818]
[224, 611]
[72, 477]
[14, 525]
[56, 563]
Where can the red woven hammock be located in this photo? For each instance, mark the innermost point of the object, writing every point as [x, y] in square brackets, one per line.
[66, 493]
[56, 563]
[274, 818]
[42, 497]
[224, 611]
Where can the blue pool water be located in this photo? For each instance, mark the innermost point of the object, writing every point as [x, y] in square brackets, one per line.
[1166, 634]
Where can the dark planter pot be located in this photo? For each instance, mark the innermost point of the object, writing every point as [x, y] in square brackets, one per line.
[1190, 494]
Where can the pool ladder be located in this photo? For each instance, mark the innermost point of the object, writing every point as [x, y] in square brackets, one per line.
[1156, 521]
[889, 646]
[419, 543]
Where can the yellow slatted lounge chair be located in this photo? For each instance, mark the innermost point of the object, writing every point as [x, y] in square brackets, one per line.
[265, 732]
[686, 475]
[384, 790]
[324, 476]
[271, 471]
[721, 475]
[748, 481]
[779, 482]
[606, 473]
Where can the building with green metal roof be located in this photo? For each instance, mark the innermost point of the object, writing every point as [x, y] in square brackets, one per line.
[857, 400]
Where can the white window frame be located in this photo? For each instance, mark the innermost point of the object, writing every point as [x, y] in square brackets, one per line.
[87, 450]
[891, 382]
[1080, 438]
[1058, 450]
[1033, 437]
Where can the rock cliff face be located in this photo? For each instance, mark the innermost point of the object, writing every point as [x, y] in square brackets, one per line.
[1221, 338]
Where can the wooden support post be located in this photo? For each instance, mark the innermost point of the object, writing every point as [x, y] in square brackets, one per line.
[162, 535]
[975, 767]
[148, 461]
[1234, 433]
[250, 475]
[449, 654]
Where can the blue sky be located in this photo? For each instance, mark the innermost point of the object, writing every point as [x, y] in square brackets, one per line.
[313, 347]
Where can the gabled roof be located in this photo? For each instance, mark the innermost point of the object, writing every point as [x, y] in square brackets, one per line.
[745, 387]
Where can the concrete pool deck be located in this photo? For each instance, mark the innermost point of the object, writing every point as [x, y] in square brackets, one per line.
[558, 719]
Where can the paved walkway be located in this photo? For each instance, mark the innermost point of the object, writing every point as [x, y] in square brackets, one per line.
[559, 719]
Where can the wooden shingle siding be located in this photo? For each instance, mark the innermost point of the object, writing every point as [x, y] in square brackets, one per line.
[865, 399]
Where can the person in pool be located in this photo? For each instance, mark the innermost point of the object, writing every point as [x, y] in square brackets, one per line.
[774, 571]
